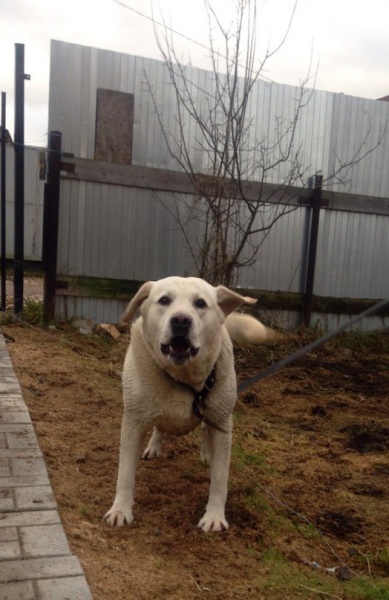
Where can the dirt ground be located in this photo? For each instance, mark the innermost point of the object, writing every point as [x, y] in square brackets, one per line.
[308, 503]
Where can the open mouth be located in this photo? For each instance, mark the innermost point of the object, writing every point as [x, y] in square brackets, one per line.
[179, 350]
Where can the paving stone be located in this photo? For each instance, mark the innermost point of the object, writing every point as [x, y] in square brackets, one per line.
[15, 428]
[4, 358]
[40, 568]
[9, 387]
[13, 402]
[7, 482]
[28, 467]
[10, 550]
[18, 591]
[38, 497]
[32, 517]
[12, 416]
[8, 534]
[7, 502]
[4, 467]
[21, 439]
[18, 452]
[6, 370]
[46, 540]
[67, 588]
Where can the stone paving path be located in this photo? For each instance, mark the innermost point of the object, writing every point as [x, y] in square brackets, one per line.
[36, 562]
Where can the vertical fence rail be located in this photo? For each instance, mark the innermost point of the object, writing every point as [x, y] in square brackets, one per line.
[3, 204]
[19, 178]
[312, 250]
[50, 223]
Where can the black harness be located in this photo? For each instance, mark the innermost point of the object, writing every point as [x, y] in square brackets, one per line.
[199, 398]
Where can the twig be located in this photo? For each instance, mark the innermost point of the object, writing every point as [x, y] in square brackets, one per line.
[196, 584]
[366, 559]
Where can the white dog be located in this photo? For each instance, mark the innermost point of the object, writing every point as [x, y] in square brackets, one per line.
[179, 372]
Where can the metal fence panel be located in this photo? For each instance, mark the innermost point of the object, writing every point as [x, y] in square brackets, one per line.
[331, 127]
[33, 204]
[129, 233]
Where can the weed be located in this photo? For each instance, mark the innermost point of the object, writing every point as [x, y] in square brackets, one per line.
[361, 588]
[33, 311]
[243, 458]
[381, 560]
[87, 510]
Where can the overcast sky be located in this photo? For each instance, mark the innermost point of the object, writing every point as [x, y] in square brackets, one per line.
[347, 41]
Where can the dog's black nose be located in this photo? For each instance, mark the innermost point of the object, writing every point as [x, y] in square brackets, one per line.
[180, 323]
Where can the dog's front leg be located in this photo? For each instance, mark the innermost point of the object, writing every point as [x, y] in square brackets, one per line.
[130, 442]
[219, 448]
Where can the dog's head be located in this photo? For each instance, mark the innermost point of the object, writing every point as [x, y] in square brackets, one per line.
[182, 317]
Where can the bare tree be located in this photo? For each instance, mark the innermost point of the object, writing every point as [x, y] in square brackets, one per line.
[235, 216]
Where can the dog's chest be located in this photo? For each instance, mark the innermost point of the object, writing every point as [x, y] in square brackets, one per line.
[172, 410]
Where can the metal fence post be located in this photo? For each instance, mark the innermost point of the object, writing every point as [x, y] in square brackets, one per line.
[20, 76]
[3, 205]
[314, 232]
[50, 223]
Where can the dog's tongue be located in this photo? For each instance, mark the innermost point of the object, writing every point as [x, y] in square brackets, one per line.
[179, 345]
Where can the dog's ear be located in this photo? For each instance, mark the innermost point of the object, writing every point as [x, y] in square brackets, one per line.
[229, 300]
[134, 304]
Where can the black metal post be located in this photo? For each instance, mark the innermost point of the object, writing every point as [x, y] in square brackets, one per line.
[3, 205]
[50, 223]
[19, 179]
[314, 232]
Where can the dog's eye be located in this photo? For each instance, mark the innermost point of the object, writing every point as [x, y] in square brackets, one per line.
[200, 303]
[164, 300]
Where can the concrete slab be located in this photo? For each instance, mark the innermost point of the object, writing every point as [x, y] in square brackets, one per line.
[30, 569]
[13, 416]
[36, 497]
[48, 540]
[63, 589]
[17, 591]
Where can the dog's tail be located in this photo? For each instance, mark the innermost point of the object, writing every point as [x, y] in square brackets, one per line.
[244, 330]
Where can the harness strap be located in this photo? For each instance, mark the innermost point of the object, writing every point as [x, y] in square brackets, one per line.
[200, 397]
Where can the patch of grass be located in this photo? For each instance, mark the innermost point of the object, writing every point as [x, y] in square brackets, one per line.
[359, 341]
[287, 580]
[308, 531]
[243, 458]
[381, 560]
[6, 318]
[87, 510]
[254, 499]
[361, 588]
[257, 504]
[33, 312]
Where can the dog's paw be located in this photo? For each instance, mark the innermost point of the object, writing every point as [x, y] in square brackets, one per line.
[152, 452]
[117, 517]
[213, 522]
[154, 447]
